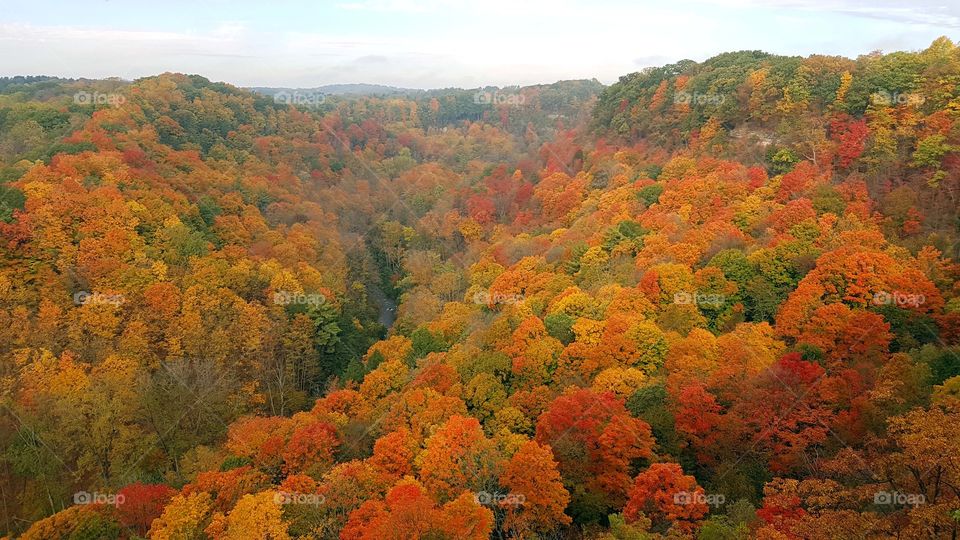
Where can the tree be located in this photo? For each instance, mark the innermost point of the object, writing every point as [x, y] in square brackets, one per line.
[701, 422]
[457, 458]
[531, 474]
[408, 512]
[394, 453]
[594, 439]
[343, 490]
[88, 521]
[185, 517]
[666, 496]
[256, 516]
[141, 504]
[311, 448]
[788, 411]
[851, 137]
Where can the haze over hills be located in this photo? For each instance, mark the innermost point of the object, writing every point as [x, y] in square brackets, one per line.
[356, 89]
[25, 83]
[379, 90]
[713, 300]
[331, 89]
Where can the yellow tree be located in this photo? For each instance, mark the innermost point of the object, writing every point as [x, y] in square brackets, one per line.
[184, 518]
[254, 516]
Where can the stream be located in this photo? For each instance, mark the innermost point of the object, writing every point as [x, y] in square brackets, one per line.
[386, 307]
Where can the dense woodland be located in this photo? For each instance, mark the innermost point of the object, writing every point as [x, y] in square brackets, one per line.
[714, 300]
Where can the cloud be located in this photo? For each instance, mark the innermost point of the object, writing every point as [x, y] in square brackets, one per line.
[653, 60]
[373, 59]
[392, 6]
[441, 43]
[937, 13]
[46, 34]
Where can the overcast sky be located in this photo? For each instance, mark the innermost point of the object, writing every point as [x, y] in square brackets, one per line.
[439, 43]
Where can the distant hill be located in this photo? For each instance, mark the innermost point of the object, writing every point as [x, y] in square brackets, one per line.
[586, 87]
[358, 89]
[11, 84]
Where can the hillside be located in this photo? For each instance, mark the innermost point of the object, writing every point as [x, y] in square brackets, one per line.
[714, 300]
[882, 118]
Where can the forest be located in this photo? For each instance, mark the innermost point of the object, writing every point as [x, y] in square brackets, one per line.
[715, 300]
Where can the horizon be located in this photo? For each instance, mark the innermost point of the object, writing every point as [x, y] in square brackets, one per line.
[314, 87]
[400, 88]
[439, 44]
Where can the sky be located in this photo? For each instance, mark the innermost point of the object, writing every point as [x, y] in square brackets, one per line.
[440, 43]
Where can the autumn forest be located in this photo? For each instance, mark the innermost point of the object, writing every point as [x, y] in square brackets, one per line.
[714, 300]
